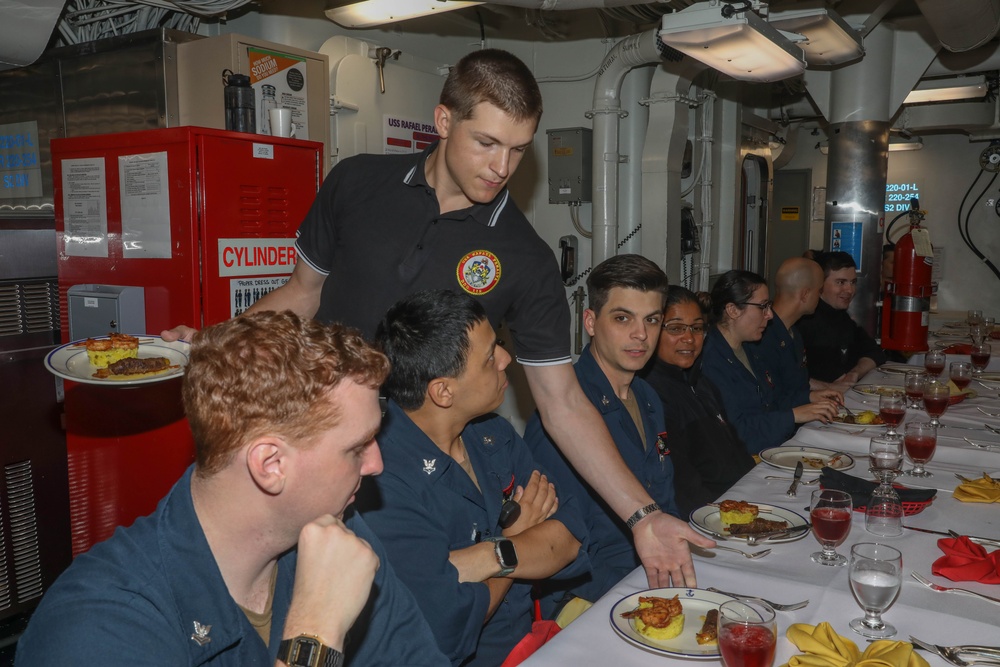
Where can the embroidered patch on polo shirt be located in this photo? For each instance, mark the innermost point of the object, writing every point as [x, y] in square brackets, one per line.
[478, 272]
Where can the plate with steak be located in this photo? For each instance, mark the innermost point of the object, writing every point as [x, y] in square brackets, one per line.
[157, 360]
[761, 519]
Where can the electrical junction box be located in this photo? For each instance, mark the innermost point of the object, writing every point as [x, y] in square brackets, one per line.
[97, 310]
[570, 169]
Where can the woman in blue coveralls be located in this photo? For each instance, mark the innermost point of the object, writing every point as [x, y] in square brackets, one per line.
[741, 309]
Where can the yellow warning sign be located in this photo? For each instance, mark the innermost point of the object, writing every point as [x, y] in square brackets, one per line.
[789, 212]
[562, 151]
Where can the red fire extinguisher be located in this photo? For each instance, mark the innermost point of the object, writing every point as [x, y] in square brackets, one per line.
[906, 303]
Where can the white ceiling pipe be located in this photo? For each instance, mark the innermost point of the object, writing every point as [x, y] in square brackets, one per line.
[573, 4]
[633, 51]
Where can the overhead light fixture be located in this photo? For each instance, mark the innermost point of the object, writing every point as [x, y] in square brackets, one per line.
[371, 13]
[735, 41]
[828, 39]
[947, 89]
[914, 144]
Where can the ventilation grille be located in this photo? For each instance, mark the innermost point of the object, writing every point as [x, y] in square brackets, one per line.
[22, 515]
[29, 307]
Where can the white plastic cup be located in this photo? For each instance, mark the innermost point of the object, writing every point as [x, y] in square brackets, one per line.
[281, 123]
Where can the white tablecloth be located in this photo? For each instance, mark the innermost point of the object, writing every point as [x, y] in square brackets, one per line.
[788, 575]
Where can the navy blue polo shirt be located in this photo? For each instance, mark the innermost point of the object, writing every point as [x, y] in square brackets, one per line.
[784, 355]
[376, 231]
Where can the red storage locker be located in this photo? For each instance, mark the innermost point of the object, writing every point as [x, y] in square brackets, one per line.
[204, 221]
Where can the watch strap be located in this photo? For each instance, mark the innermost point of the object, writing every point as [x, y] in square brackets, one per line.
[640, 513]
[288, 653]
[504, 568]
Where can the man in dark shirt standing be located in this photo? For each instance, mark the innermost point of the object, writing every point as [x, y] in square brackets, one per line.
[838, 350]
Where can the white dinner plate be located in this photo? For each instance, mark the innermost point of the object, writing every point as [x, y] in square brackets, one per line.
[708, 520]
[840, 423]
[813, 459]
[695, 602]
[70, 361]
[898, 369]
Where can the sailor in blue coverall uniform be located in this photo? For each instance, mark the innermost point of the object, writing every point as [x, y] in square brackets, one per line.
[627, 294]
[437, 508]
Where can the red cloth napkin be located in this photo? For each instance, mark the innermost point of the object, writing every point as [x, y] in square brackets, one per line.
[965, 560]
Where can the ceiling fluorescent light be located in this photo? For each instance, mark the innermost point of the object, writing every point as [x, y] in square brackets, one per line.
[943, 90]
[914, 144]
[742, 45]
[829, 40]
[371, 13]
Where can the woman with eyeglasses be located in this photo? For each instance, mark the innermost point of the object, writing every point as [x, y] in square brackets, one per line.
[741, 309]
[706, 451]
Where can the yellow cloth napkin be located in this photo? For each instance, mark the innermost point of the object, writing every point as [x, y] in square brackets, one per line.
[985, 490]
[822, 647]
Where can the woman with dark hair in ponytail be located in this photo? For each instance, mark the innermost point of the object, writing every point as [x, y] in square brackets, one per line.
[706, 451]
[741, 309]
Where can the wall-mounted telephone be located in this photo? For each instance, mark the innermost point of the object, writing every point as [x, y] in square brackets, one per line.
[567, 257]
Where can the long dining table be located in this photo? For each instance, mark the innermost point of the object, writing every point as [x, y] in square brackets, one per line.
[788, 575]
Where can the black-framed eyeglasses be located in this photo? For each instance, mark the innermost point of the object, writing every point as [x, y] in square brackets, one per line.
[678, 329]
[767, 305]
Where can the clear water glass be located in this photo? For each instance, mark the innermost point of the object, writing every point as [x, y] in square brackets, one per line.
[876, 574]
[884, 512]
[974, 317]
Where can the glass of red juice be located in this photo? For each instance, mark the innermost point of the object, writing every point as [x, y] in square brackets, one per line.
[960, 373]
[936, 397]
[920, 441]
[892, 408]
[748, 634]
[913, 385]
[934, 362]
[980, 357]
[830, 512]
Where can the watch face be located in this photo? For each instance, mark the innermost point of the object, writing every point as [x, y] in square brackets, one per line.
[508, 555]
[305, 652]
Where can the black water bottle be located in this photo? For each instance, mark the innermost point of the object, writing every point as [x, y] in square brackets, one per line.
[241, 106]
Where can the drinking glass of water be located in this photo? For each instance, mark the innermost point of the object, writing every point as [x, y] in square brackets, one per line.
[876, 573]
[884, 512]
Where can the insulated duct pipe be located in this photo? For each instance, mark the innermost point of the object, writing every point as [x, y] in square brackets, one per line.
[633, 51]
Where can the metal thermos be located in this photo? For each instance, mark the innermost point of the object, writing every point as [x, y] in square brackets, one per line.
[241, 107]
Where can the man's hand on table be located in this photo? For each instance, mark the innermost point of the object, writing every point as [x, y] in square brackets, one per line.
[180, 332]
[661, 541]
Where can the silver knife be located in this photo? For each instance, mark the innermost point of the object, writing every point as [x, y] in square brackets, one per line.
[795, 480]
[972, 538]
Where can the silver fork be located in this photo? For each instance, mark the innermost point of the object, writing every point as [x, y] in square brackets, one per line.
[773, 605]
[992, 428]
[987, 412]
[745, 554]
[946, 589]
[951, 653]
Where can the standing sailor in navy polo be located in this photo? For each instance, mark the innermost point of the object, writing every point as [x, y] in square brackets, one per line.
[383, 227]
[627, 294]
[468, 519]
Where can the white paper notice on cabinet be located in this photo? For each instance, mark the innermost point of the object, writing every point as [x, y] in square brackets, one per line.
[145, 201]
[85, 209]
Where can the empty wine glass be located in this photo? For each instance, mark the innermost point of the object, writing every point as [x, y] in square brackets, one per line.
[884, 512]
[936, 397]
[830, 511]
[934, 363]
[748, 634]
[960, 373]
[913, 385]
[978, 332]
[876, 575]
[892, 408]
[920, 441]
[980, 357]
[974, 317]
